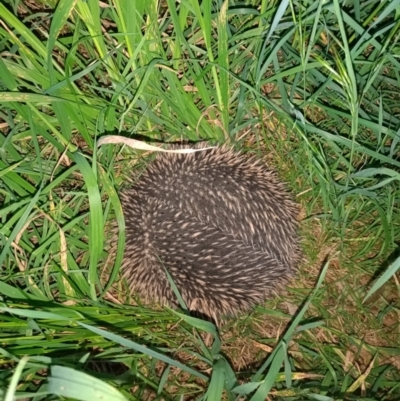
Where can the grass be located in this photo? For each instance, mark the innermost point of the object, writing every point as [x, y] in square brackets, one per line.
[311, 86]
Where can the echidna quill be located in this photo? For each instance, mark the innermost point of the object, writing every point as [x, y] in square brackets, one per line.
[219, 222]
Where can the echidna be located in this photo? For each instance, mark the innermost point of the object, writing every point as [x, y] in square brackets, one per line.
[222, 225]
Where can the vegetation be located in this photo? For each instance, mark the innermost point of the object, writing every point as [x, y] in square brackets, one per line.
[313, 86]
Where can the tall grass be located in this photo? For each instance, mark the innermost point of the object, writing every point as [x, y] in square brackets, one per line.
[313, 85]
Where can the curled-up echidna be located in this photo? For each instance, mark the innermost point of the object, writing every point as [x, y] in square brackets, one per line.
[218, 221]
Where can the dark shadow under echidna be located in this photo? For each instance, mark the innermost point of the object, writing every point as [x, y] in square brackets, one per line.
[221, 224]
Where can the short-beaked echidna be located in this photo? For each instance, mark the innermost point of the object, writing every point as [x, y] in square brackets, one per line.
[219, 221]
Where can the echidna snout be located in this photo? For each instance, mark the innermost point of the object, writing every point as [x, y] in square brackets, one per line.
[221, 224]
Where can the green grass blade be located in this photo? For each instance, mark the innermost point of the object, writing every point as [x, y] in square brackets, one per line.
[96, 224]
[10, 395]
[67, 382]
[386, 276]
[25, 216]
[144, 350]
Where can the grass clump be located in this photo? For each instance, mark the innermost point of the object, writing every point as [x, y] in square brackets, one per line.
[313, 86]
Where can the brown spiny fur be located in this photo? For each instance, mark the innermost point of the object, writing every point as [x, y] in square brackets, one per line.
[221, 224]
